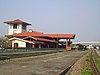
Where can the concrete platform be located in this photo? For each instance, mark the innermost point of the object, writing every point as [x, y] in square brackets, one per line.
[51, 64]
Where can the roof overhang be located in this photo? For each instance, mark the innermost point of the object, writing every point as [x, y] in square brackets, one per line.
[40, 39]
[17, 22]
[62, 36]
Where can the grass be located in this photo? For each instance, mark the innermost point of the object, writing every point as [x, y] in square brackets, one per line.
[87, 68]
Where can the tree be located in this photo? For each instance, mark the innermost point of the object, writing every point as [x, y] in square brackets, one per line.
[3, 42]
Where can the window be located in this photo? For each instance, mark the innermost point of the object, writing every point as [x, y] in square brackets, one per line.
[15, 26]
[24, 27]
[15, 45]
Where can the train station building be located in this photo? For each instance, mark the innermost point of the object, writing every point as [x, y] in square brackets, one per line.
[21, 38]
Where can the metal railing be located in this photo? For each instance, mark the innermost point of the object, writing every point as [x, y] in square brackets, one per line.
[28, 49]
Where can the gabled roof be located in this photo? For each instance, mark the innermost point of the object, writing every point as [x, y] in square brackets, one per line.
[14, 38]
[17, 21]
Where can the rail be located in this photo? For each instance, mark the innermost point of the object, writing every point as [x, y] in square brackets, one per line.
[67, 69]
[97, 54]
[94, 67]
[7, 56]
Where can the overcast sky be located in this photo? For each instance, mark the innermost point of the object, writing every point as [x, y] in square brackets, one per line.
[81, 17]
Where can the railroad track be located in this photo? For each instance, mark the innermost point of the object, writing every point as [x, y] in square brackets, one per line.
[97, 54]
[52, 64]
[94, 67]
[67, 69]
[8, 56]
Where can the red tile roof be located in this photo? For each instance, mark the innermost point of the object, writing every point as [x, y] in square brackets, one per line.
[16, 21]
[23, 34]
[46, 40]
[39, 34]
[61, 36]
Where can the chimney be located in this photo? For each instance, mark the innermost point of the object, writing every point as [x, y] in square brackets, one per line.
[30, 30]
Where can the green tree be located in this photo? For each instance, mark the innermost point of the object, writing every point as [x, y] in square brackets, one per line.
[3, 42]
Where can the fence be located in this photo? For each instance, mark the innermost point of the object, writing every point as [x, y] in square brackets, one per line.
[28, 49]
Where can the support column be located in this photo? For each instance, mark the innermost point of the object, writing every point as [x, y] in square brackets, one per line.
[48, 45]
[57, 43]
[33, 46]
[68, 47]
[12, 45]
[69, 42]
[39, 45]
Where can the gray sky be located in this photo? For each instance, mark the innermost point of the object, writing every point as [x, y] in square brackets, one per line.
[81, 17]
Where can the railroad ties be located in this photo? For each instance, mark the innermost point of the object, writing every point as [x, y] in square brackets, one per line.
[67, 69]
[8, 56]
